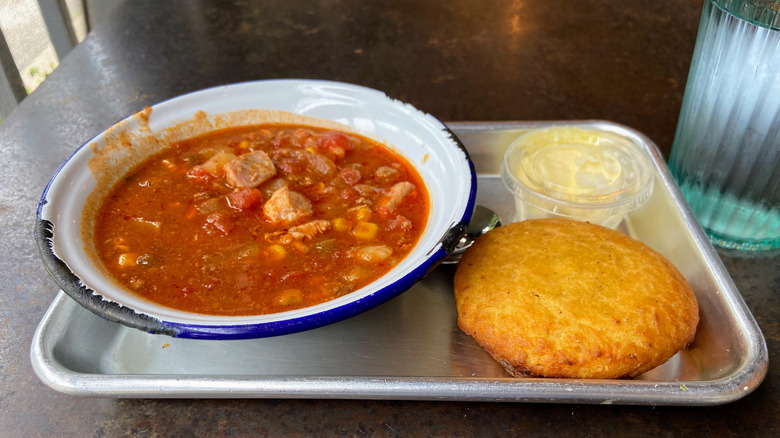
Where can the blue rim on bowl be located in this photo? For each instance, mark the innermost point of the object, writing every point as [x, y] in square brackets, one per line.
[427, 143]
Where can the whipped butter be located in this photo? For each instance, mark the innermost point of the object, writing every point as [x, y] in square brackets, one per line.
[577, 173]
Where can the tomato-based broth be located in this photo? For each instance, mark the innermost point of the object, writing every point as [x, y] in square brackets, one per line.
[262, 219]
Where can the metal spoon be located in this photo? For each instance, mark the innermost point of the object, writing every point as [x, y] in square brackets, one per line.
[482, 221]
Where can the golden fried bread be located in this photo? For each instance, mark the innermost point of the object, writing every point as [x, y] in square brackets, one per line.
[559, 298]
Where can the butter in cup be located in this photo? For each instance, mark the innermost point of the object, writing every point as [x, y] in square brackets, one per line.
[577, 173]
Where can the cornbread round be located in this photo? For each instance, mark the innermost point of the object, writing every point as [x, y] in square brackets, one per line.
[561, 298]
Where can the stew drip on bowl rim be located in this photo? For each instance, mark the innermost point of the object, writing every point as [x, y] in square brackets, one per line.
[260, 219]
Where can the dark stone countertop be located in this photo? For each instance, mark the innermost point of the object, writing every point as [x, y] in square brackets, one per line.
[624, 61]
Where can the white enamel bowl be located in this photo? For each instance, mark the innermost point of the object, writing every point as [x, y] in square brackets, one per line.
[427, 143]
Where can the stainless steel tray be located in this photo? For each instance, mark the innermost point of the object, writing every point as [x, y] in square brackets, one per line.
[411, 348]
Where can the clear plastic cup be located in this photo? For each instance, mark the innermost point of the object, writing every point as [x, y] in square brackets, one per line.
[577, 173]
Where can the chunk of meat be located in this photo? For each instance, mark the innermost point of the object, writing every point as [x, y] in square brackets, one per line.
[286, 205]
[372, 253]
[296, 161]
[366, 190]
[310, 229]
[395, 195]
[250, 170]
[288, 161]
[320, 163]
[386, 173]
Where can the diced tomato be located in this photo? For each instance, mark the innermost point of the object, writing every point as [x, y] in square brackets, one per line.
[350, 176]
[383, 212]
[200, 175]
[349, 194]
[244, 199]
[335, 143]
[220, 222]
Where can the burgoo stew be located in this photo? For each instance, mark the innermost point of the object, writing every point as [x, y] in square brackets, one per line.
[261, 219]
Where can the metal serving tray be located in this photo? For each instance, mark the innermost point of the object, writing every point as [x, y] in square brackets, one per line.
[410, 348]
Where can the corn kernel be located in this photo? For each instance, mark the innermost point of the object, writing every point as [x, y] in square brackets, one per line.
[363, 214]
[244, 145]
[365, 230]
[276, 252]
[127, 259]
[341, 224]
[311, 150]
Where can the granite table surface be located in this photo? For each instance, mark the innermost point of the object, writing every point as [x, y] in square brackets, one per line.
[461, 60]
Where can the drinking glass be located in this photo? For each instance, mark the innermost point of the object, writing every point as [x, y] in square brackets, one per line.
[726, 150]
